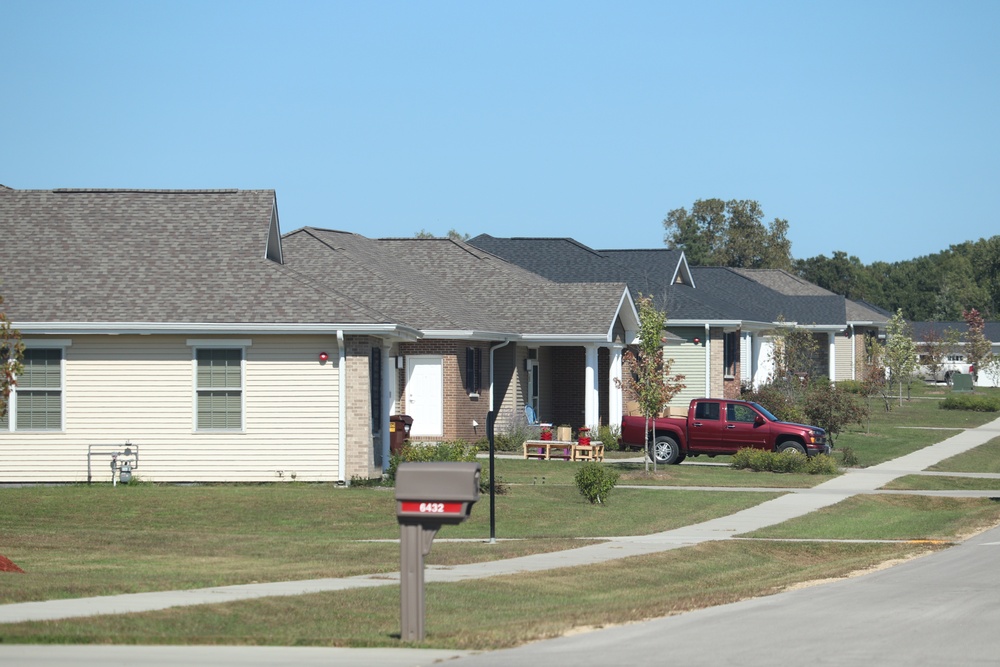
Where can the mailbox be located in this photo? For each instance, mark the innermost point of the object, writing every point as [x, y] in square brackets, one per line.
[428, 496]
[437, 492]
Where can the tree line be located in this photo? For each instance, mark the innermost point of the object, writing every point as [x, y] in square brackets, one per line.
[937, 287]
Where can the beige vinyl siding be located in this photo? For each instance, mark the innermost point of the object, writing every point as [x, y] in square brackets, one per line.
[842, 346]
[141, 389]
[689, 360]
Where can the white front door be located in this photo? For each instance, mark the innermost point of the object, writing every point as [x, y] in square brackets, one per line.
[425, 395]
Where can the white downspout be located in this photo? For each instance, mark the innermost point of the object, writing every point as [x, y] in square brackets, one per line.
[831, 370]
[341, 409]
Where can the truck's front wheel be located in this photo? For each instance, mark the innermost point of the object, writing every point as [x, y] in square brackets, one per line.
[666, 451]
[791, 447]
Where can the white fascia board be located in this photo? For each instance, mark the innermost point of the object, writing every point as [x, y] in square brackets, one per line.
[758, 326]
[574, 339]
[467, 334]
[715, 324]
[626, 306]
[822, 327]
[148, 328]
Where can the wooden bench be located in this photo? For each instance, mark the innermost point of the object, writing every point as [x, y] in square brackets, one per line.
[547, 450]
[591, 452]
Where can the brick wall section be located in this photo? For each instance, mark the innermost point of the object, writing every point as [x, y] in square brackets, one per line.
[732, 385]
[360, 457]
[564, 367]
[460, 409]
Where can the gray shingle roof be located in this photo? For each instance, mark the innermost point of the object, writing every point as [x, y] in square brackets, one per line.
[990, 329]
[718, 294]
[443, 284]
[154, 256]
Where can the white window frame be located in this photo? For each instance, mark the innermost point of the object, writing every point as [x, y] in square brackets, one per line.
[40, 344]
[219, 344]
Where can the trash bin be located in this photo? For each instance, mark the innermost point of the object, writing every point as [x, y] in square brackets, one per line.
[399, 431]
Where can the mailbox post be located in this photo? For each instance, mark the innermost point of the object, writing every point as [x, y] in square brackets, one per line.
[428, 496]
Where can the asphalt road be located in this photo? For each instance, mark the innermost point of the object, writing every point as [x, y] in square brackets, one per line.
[940, 609]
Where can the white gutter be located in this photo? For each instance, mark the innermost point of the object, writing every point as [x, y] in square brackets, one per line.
[247, 328]
[341, 408]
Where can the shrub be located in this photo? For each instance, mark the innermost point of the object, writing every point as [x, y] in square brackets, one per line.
[848, 457]
[832, 408]
[972, 402]
[511, 430]
[761, 460]
[607, 435]
[851, 386]
[502, 487]
[458, 450]
[821, 464]
[595, 481]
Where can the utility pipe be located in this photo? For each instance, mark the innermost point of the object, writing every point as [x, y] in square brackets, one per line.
[341, 408]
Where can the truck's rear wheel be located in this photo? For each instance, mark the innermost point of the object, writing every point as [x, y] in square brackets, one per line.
[666, 451]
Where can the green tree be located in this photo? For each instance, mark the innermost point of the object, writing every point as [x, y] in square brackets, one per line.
[900, 352]
[11, 354]
[717, 233]
[646, 373]
[452, 234]
[841, 274]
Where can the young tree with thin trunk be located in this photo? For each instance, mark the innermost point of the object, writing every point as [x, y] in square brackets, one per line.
[11, 353]
[646, 374]
[900, 352]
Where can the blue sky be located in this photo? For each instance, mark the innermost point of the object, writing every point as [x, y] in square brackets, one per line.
[872, 127]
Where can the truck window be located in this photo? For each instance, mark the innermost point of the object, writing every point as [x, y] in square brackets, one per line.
[736, 412]
[706, 411]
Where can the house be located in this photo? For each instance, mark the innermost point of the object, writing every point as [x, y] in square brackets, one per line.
[726, 319]
[186, 325]
[486, 325]
[955, 355]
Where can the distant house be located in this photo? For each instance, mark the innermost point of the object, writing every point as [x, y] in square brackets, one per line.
[725, 319]
[957, 358]
[185, 324]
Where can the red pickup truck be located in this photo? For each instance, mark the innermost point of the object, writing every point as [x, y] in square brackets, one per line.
[716, 426]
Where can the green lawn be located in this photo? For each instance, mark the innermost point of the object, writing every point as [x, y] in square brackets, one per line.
[78, 541]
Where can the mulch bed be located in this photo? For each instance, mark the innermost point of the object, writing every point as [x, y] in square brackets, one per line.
[6, 565]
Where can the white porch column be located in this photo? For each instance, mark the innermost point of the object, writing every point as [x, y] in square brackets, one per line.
[831, 371]
[615, 402]
[592, 401]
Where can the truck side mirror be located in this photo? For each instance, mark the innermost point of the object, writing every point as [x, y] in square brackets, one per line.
[759, 420]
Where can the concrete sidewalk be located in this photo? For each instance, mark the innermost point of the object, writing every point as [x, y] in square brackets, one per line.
[795, 503]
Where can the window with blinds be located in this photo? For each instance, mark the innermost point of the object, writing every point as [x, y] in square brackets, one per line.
[36, 402]
[219, 389]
